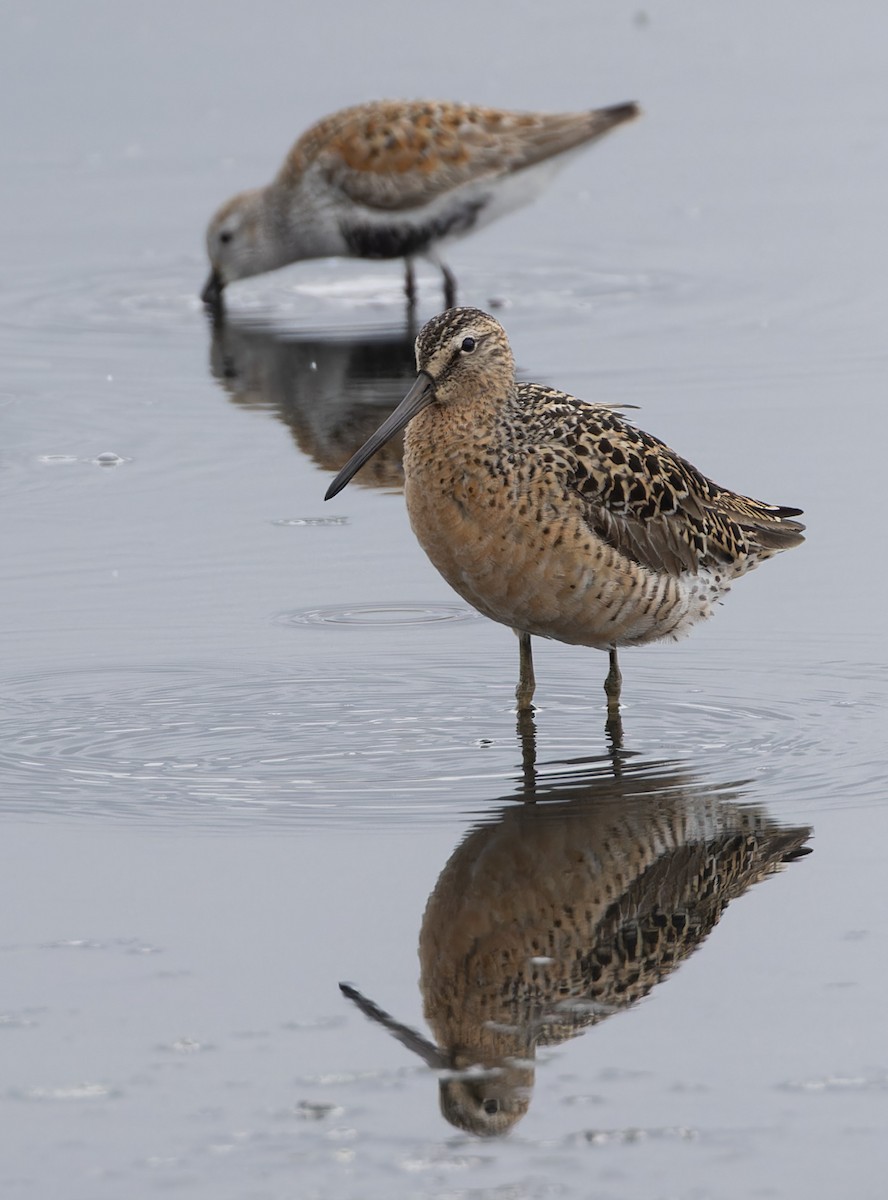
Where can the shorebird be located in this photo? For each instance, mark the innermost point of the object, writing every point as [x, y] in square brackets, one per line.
[549, 918]
[395, 179]
[558, 517]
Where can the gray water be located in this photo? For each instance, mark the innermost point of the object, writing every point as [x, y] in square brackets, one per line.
[242, 732]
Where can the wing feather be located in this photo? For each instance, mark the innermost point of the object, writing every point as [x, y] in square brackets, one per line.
[396, 155]
[645, 500]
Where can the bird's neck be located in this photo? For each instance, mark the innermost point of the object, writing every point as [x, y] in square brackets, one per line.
[300, 220]
[452, 429]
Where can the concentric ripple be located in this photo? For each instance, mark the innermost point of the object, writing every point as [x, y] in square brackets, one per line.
[214, 743]
[145, 296]
[220, 745]
[139, 296]
[379, 614]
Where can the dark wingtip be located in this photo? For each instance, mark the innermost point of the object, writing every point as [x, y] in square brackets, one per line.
[622, 112]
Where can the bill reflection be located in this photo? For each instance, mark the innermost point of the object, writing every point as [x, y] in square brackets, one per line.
[560, 912]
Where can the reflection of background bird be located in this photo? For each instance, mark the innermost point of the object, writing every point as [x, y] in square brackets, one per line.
[554, 916]
[331, 392]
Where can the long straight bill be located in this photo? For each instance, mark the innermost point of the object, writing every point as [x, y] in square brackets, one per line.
[419, 397]
[427, 1051]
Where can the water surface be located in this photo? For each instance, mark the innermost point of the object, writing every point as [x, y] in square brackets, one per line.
[246, 736]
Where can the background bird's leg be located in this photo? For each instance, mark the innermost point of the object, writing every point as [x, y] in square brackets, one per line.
[526, 682]
[409, 283]
[449, 286]
[448, 277]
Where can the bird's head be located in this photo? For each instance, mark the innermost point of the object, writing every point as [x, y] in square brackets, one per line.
[460, 353]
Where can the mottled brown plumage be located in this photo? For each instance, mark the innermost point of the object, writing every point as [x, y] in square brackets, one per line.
[552, 917]
[397, 155]
[558, 517]
[395, 179]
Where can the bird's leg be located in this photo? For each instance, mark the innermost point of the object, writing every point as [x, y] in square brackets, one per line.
[613, 684]
[614, 728]
[409, 283]
[526, 682]
[448, 277]
[612, 687]
[449, 286]
[527, 738]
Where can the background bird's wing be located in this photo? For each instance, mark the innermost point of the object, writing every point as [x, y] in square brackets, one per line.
[393, 156]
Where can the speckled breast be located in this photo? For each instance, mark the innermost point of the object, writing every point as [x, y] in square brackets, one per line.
[521, 552]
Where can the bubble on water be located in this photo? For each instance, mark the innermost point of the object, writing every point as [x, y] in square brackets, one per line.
[74, 1091]
[838, 1083]
[385, 615]
[633, 1136]
[310, 521]
[313, 1023]
[115, 945]
[186, 1045]
[22, 1019]
[316, 1110]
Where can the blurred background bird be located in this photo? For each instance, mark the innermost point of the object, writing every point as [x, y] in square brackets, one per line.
[396, 179]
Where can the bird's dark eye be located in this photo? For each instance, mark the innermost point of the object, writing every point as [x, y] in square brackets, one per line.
[468, 345]
[225, 237]
[491, 1107]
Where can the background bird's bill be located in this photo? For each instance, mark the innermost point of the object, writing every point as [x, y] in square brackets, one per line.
[212, 290]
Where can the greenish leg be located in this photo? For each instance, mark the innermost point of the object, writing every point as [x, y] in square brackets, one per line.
[526, 682]
[613, 684]
[527, 737]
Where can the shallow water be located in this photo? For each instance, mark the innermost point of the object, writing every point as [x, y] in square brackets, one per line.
[246, 736]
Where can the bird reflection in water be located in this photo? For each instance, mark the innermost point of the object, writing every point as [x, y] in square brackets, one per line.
[552, 915]
[332, 392]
